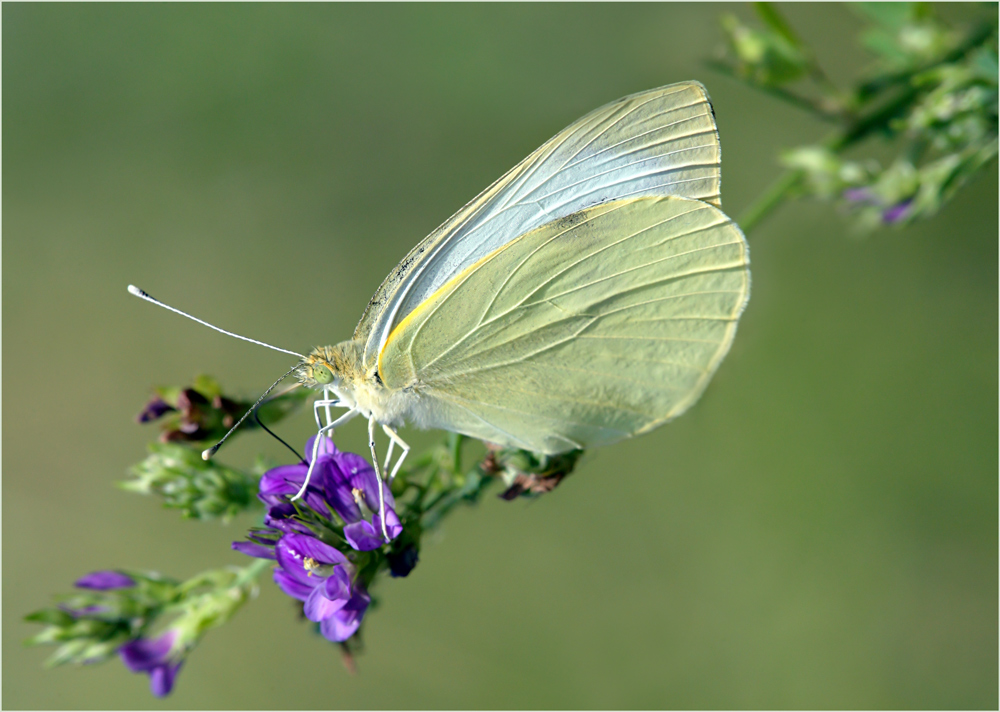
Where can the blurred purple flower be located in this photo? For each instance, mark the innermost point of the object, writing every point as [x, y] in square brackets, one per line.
[859, 195]
[896, 212]
[890, 215]
[252, 548]
[104, 580]
[154, 409]
[152, 656]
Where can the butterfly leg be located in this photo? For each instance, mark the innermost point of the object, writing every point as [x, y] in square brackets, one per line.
[394, 438]
[388, 454]
[326, 402]
[378, 475]
[312, 462]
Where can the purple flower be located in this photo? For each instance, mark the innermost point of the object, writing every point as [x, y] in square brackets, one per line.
[252, 548]
[286, 480]
[352, 492]
[896, 212]
[890, 215]
[104, 580]
[320, 576]
[152, 656]
[345, 622]
[156, 408]
[859, 195]
[341, 483]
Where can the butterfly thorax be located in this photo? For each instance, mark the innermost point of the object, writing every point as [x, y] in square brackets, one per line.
[340, 369]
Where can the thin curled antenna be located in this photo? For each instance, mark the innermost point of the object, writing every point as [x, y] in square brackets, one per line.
[207, 454]
[256, 417]
[135, 291]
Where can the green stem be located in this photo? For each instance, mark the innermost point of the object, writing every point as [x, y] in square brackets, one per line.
[812, 106]
[250, 573]
[455, 443]
[771, 199]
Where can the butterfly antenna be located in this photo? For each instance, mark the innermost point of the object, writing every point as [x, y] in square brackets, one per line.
[256, 417]
[135, 291]
[207, 454]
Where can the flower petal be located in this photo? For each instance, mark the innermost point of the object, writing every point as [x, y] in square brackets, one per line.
[156, 408]
[401, 563]
[392, 524]
[302, 545]
[345, 622]
[363, 536]
[896, 212]
[293, 587]
[338, 585]
[326, 447]
[285, 479]
[292, 564]
[84, 611]
[366, 536]
[254, 549]
[104, 580]
[341, 499]
[143, 654]
[161, 678]
[361, 475]
[318, 607]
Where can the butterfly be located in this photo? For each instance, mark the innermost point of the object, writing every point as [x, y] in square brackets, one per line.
[585, 297]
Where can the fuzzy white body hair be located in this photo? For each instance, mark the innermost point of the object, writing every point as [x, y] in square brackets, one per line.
[388, 407]
[362, 390]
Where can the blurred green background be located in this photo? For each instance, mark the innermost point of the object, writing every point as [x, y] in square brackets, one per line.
[819, 531]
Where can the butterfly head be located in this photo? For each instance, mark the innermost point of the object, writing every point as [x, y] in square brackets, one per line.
[329, 366]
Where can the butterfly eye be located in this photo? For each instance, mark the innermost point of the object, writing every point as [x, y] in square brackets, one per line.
[321, 374]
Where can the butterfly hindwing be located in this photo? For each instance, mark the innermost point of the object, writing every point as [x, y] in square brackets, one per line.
[589, 329]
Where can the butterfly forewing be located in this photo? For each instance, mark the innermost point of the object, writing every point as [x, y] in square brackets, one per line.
[659, 142]
[592, 328]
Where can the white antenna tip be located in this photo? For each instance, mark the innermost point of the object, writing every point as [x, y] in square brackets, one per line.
[207, 454]
[134, 290]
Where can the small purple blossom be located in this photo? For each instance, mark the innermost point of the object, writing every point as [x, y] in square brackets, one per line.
[859, 195]
[252, 548]
[104, 580]
[155, 409]
[356, 490]
[896, 212]
[320, 576]
[341, 483]
[345, 622]
[153, 657]
[865, 196]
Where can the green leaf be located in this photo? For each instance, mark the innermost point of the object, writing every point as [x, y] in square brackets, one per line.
[888, 15]
[770, 15]
[50, 616]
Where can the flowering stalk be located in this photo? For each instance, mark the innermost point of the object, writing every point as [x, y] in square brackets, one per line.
[326, 550]
[933, 96]
[116, 612]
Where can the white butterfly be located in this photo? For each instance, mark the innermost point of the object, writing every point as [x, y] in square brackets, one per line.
[586, 296]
